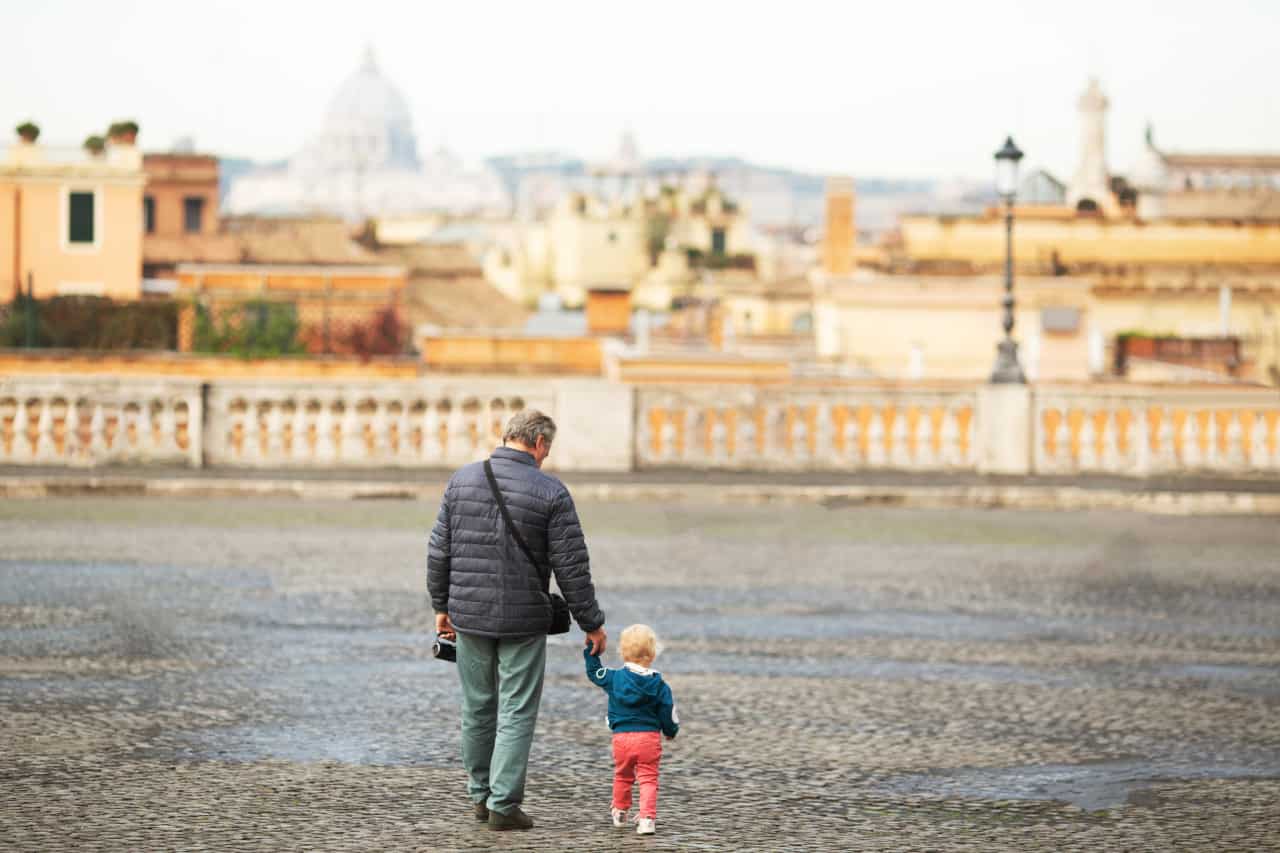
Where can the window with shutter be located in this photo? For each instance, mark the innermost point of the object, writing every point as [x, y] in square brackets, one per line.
[80, 224]
[149, 214]
[192, 214]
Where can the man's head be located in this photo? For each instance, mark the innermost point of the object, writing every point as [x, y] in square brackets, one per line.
[532, 432]
[638, 645]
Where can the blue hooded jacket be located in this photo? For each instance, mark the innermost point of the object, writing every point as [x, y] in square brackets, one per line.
[639, 700]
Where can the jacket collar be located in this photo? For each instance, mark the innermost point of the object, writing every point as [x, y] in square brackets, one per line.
[638, 669]
[510, 453]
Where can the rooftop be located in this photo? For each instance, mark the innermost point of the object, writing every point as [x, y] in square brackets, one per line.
[1223, 161]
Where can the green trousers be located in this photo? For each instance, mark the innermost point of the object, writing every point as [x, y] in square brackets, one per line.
[501, 690]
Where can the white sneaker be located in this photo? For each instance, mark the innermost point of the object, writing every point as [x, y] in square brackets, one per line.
[619, 817]
[644, 826]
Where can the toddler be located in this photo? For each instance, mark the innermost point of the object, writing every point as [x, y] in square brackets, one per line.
[640, 709]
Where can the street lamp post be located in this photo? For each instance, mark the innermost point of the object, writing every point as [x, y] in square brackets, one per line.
[1007, 369]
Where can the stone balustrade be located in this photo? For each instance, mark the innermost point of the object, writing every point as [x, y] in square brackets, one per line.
[753, 428]
[1155, 431]
[610, 426]
[374, 424]
[87, 421]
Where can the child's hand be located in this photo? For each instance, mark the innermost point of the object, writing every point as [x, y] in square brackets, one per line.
[596, 641]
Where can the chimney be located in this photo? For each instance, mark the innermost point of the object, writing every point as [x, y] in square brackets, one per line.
[608, 311]
[837, 244]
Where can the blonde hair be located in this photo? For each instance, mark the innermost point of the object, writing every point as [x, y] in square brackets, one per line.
[638, 643]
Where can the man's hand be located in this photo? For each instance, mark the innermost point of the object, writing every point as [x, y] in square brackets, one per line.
[596, 641]
[444, 627]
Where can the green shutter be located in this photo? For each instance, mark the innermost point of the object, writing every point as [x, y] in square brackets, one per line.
[80, 219]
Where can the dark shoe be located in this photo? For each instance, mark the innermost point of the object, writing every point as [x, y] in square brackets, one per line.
[515, 819]
[482, 811]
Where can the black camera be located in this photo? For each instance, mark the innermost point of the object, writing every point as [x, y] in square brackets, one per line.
[445, 649]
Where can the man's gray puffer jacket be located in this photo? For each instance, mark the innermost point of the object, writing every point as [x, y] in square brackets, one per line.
[477, 573]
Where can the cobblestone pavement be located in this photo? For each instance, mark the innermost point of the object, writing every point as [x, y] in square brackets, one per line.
[255, 675]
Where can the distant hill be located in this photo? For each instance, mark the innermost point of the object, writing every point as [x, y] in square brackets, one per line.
[773, 195]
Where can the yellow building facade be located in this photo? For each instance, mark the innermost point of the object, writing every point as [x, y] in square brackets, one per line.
[643, 245]
[1040, 241]
[939, 327]
[71, 222]
[947, 327]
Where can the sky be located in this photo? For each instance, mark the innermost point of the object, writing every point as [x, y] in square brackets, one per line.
[905, 89]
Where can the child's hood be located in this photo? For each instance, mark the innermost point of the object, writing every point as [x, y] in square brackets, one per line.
[635, 685]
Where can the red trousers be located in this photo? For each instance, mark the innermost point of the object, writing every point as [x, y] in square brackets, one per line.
[635, 758]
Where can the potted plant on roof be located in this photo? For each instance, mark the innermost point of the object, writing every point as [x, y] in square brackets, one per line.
[29, 132]
[123, 132]
[95, 145]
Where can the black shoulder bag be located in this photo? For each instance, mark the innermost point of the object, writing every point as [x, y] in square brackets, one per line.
[559, 607]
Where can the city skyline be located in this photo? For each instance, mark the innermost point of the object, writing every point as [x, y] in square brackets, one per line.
[927, 92]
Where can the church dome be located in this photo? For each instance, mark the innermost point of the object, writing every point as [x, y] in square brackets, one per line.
[368, 124]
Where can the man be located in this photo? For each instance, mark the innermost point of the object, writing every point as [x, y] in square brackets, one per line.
[486, 594]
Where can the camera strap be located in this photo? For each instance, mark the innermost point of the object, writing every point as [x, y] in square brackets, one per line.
[543, 575]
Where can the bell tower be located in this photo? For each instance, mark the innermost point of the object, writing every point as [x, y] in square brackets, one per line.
[1091, 181]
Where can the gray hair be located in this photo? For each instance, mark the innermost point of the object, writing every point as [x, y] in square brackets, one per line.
[525, 427]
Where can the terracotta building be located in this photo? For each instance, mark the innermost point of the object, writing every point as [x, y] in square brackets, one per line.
[71, 220]
[330, 300]
[180, 218]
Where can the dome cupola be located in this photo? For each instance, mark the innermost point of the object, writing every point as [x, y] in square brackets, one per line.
[368, 125]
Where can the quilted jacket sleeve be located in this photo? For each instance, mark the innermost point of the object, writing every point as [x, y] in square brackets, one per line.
[438, 563]
[567, 553]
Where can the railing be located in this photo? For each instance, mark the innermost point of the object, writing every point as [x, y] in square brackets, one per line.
[1154, 431]
[371, 424]
[77, 421]
[433, 423]
[750, 428]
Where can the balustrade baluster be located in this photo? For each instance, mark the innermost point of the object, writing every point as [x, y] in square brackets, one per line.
[1211, 456]
[73, 448]
[1191, 456]
[379, 444]
[275, 432]
[800, 436]
[253, 431]
[1235, 453]
[98, 434]
[326, 447]
[352, 449]
[900, 452]
[949, 445]
[432, 450]
[45, 450]
[300, 447]
[1110, 461]
[824, 433]
[457, 451]
[1140, 439]
[404, 433]
[745, 440]
[1259, 453]
[168, 444]
[925, 457]
[1088, 459]
[876, 455]
[720, 438]
[1063, 458]
[670, 446]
